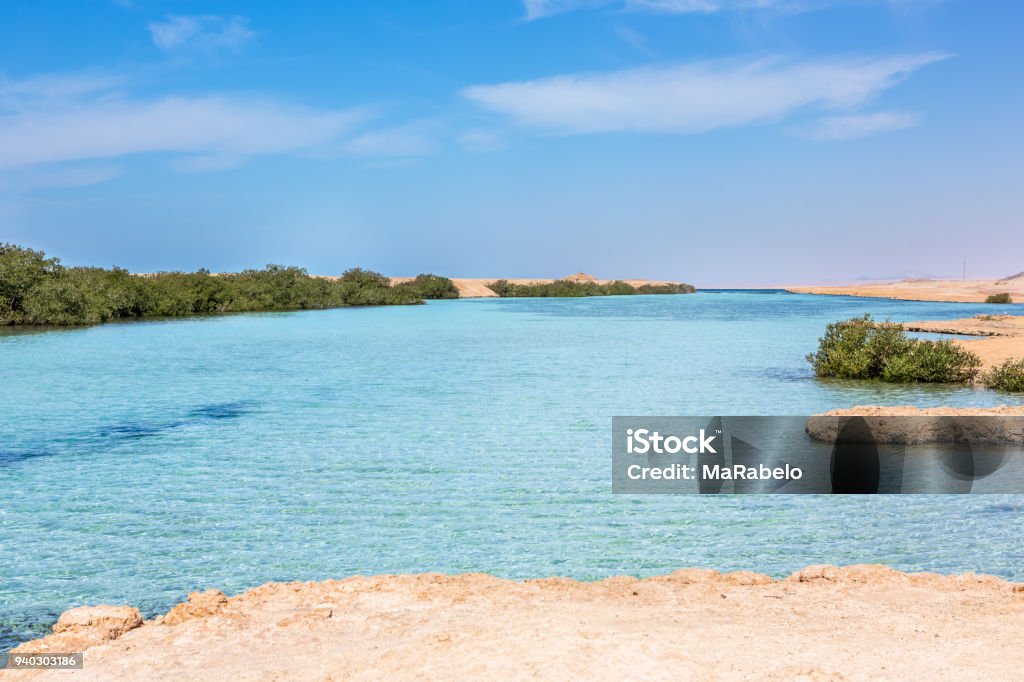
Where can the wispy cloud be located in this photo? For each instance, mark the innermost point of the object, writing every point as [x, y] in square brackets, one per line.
[858, 125]
[480, 140]
[52, 89]
[635, 38]
[711, 6]
[58, 119]
[402, 141]
[695, 97]
[536, 9]
[203, 33]
[224, 126]
[72, 176]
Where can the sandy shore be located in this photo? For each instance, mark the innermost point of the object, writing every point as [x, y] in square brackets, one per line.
[821, 623]
[960, 291]
[477, 287]
[1000, 337]
[887, 424]
[911, 411]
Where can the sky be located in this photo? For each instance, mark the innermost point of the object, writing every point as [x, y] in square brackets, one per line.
[719, 142]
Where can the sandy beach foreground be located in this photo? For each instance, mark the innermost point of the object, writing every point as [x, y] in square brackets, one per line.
[821, 623]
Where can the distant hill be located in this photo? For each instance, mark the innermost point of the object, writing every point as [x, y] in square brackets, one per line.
[1019, 275]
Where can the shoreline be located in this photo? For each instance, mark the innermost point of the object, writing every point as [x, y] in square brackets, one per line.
[820, 623]
[997, 337]
[476, 287]
[928, 290]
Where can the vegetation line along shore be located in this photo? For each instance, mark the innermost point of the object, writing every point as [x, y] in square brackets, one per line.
[567, 288]
[38, 290]
[863, 348]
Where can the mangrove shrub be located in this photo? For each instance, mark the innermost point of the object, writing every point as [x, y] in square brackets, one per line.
[430, 287]
[35, 289]
[567, 288]
[1008, 376]
[862, 348]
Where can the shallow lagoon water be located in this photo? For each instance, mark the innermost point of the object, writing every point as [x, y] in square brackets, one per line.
[140, 461]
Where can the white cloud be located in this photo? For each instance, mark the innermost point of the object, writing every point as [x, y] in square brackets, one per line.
[71, 176]
[87, 119]
[221, 125]
[404, 141]
[635, 38]
[206, 163]
[536, 9]
[52, 89]
[479, 140]
[205, 33]
[711, 6]
[858, 125]
[695, 97]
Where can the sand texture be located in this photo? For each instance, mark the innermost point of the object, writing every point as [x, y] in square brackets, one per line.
[1000, 337]
[962, 291]
[940, 425]
[911, 411]
[821, 623]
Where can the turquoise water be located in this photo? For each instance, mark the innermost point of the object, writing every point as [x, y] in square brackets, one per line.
[140, 461]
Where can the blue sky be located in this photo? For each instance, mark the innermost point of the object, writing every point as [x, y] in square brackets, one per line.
[723, 142]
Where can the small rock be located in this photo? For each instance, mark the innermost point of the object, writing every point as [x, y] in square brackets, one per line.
[80, 628]
[199, 605]
[114, 621]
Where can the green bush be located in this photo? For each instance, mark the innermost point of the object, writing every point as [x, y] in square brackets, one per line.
[566, 288]
[431, 287]
[858, 348]
[999, 298]
[941, 362]
[59, 300]
[1008, 376]
[503, 288]
[39, 290]
[365, 287]
[670, 288]
[20, 270]
[862, 348]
